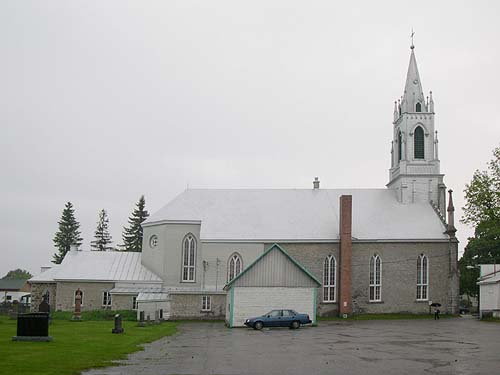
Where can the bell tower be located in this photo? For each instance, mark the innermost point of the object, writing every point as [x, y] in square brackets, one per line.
[415, 173]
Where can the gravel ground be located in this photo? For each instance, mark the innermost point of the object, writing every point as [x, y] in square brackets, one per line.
[447, 346]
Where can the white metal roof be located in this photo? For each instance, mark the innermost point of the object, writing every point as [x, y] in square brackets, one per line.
[46, 275]
[100, 266]
[151, 297]
[490, 274]
[137, 289]
[300, 214]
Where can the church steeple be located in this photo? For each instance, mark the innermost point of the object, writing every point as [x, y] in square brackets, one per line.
[413, 95]
[415, 173]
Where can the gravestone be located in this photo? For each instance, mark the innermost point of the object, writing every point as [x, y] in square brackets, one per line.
[44, 307]
[32, 327]
[118, 324]
[142, 323]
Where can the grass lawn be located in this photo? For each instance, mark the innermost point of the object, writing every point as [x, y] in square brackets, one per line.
[76, 346]
[387, 317]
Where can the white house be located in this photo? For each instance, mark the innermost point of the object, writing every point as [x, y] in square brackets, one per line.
[14, 290]
[489, 290]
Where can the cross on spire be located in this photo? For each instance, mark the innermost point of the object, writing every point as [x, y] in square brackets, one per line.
[412, 34]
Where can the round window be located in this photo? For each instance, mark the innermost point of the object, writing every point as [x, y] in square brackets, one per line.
[153, 241]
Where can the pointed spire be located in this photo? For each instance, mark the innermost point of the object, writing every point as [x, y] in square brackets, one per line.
[431, 103]
[396, 113]
[451, 216]
[413, 92]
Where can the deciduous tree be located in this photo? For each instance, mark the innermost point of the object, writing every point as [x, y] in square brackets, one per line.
[18, 274]
[482, 210]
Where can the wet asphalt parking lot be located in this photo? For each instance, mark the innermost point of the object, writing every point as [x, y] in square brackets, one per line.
[448, 346]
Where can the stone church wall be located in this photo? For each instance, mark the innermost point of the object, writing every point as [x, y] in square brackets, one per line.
[122, 301]
[37, 292]
[399, 276]
[188, 306]
[92, 295]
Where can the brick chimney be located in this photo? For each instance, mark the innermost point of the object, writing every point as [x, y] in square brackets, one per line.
[316, 183]
[345, 305]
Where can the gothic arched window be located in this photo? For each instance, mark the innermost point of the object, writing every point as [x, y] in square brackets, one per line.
[418, 107]
[422, 278]
[235, 266]
[418, 143]
[375, 279]
[329, 276]
[400, 147]
[188, 258]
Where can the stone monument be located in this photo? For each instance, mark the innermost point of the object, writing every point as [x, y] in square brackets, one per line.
[33, 327]
[77, 315]
[118, 324]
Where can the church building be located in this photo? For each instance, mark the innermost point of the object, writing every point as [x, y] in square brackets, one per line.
[235, 253]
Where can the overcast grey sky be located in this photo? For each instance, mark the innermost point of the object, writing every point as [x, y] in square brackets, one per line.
[102, 101]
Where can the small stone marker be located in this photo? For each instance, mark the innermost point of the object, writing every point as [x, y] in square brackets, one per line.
[118, 324]
[32, 327]
[142, 323]
[157, 317]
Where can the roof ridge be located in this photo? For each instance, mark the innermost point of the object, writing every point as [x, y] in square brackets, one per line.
[281, 189]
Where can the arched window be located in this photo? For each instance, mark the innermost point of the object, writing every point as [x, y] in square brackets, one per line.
[329, 277]
[400, 146]
[188, 258]
[375, 279]
[418, 143]
[235, 265]
[422, 278]
[418, 107]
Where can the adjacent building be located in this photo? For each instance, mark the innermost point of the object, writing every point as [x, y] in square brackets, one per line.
[489, 290]
[14, 290]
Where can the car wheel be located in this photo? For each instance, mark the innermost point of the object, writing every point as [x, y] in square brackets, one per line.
[295, 324]
[258, 326]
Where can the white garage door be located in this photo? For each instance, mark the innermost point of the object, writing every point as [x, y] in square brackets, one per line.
[249, 302]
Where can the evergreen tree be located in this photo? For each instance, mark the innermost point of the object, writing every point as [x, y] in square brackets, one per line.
[132, 236]
[68, 233]
[102, 237]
